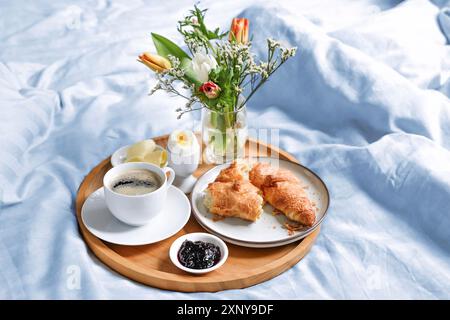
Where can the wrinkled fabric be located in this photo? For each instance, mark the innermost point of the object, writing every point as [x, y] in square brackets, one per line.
[365, 104]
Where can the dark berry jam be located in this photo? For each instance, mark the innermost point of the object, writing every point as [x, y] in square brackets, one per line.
[198, 254]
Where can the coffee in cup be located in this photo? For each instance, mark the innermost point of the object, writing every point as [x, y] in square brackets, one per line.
[135, 192]
[135, 182]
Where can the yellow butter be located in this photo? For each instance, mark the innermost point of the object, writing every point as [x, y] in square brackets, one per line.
[141, 148]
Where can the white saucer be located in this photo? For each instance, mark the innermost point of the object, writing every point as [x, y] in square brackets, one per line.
[185, 184]
[101, 223]
[120, 155]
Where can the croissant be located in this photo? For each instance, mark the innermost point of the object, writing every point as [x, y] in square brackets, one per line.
[236, 171]
[284, 192]
[238, 199]
[262, 170]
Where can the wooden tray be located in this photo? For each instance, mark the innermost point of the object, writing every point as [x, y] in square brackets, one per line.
[150, 264]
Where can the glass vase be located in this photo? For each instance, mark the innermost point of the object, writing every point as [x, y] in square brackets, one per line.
[224, 134]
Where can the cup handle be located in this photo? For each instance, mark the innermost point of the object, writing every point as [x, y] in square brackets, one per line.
[171, 176]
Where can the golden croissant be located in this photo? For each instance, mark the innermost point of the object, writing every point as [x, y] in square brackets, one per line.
[284, 192]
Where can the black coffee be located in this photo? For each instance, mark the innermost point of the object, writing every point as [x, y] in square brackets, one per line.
[136, 182]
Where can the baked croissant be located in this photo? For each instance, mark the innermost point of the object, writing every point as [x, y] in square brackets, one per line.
[284, 192]
[236, 171]
[238, 199]
[261, 171]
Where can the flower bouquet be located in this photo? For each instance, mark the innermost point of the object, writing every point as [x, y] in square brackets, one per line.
[219, 75]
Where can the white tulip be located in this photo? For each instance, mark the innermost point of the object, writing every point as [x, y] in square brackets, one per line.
[202, 64]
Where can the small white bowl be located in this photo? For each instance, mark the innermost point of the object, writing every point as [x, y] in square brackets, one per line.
[120, 155]
[198, 236]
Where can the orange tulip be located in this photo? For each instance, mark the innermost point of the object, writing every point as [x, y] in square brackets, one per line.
[239, 30]
[154, 62]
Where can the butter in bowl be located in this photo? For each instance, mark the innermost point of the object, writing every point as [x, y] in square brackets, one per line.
[143, 151]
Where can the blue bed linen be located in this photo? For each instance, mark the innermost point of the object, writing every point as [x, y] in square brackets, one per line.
[365, 104]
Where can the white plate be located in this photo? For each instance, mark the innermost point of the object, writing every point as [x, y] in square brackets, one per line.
[120, 155]
[101, 223]
[268, 229]
[251, 244]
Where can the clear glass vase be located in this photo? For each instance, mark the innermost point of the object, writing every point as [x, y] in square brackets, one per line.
[224, 134]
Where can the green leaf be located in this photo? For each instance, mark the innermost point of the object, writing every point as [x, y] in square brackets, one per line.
[165, 47]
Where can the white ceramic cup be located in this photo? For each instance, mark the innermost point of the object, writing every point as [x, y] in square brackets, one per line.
[139, 209]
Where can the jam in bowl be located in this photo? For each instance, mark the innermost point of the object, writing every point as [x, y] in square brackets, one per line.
[198, 252]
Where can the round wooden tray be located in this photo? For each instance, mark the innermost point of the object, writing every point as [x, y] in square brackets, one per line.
[150, 264]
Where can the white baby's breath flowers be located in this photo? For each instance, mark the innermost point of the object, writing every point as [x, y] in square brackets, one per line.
[253, 68]
[193, 44]
[190, 103]
[286, 53]
[264, 74]
[273, 43]
[176, 70]
[236, 53]
[155, 88]
[188, 106]
[174, 61]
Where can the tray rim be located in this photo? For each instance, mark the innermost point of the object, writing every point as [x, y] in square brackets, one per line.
[172, 281]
